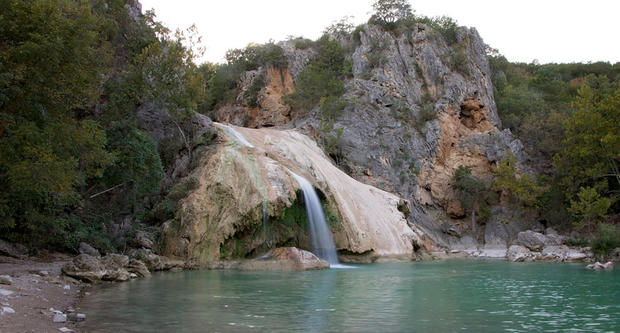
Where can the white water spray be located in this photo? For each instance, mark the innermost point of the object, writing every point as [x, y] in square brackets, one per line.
[233, 134]
[322, 241]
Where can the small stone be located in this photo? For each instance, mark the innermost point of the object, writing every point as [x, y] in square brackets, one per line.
[133, 275]
[5, 279]
[64, 329]
[4, 292]
[60, 318]
[8, 310]
[70, 310]
[66, 287]
[44, 273]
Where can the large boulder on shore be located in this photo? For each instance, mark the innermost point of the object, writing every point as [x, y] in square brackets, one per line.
[112, 267]
[535, 241]
[285, 259]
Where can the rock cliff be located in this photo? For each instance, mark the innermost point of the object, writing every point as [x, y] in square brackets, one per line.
[416, 109]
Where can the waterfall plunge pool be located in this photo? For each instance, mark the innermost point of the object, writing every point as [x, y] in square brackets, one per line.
[437, 296]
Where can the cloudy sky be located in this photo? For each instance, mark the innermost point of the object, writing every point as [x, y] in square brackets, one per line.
[523, 30]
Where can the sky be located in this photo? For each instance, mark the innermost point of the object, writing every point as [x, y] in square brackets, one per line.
[523, 30]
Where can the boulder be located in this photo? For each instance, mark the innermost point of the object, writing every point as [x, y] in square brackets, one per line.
[518, 253]
[138, 267]
[5, 279]
[285, 259]
[152, 261]
[85, 248]
[597, 265]
[534, 241]
[115, 261]
[86, 268]
[555, 253]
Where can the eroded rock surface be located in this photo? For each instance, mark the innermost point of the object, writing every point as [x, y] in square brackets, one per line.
[285, 259]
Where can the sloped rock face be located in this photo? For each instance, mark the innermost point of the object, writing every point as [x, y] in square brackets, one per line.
[222, 217]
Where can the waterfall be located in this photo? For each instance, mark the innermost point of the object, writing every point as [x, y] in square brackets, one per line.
[322, 242]
[236, 136]
[265, 218]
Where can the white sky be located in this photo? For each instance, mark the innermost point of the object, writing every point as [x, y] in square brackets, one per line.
[522, 30]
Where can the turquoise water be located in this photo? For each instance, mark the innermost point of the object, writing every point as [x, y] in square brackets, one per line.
[441, 296]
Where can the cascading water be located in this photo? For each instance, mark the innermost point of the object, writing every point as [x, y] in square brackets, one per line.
[265, 218]
[322, 241]
[233, 134]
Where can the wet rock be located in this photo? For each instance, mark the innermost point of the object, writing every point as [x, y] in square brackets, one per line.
[4, 292]
[59, 318]
[138, 268]
[85, 248]
[518, 253]
[597, 265]
[285, 259]
[534, 241]
[76, 317]
[7, 310]
[5, 279]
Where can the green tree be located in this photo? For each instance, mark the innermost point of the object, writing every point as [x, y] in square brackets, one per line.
[591, 146]
[521, 188]
[390, 11]
[589, 209]
[470, 190]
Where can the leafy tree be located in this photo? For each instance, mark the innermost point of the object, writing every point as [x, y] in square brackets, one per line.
[470, 190]
[340, 28]
[589, 209]
[390, 11]
[591, 147]
[522, 189]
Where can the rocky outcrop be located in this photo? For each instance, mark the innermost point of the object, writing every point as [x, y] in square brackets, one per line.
[112, 267]
[285, 259]
[267, 108]
[557, 253]
[535, 241]
[223, 215]
[597, 265]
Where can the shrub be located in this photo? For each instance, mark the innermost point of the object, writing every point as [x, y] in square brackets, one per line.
[606, 239]
[251, 94]
[425, 114]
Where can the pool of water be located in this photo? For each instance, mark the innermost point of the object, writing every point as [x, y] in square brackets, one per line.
[440, 296]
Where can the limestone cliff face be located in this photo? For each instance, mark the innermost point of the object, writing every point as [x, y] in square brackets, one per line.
[225, 209]
[417, 109]
[269, 109]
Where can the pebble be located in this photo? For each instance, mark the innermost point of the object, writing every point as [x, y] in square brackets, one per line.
[77, 317]
[4, 292]
[64, 329]
[60, 318]
[44, 273]
[6, 309]
[5, 279]
[66, 287]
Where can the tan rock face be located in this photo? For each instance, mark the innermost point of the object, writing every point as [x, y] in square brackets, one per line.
[457, 125]
[271, 111]
[235, 180]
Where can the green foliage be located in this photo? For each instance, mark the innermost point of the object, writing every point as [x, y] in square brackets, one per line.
[589, 208]
[425, 114]
[468, 186]
[340, 28]
[329, 139]
[388, 12]
[459, 60]
[137, 166]
[251, 94]
[606, 239]
[303, 43]
[522, 189]
[322, 77]
[375, 56]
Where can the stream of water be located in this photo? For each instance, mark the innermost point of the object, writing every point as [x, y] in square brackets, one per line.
[320, 235]
[441, 296]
